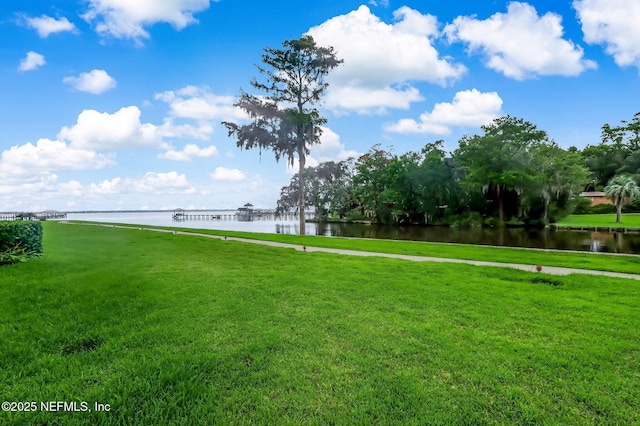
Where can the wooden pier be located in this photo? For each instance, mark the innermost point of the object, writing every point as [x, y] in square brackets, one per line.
[240, 215]
[187, 216]
[47, 214]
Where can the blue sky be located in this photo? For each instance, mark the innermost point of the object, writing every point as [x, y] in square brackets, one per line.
[115, 104]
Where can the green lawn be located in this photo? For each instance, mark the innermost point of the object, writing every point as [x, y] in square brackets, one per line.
[568, 259]
[173, 329]
[627, 220]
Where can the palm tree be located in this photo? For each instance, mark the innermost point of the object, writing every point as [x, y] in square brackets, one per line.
[621, 190]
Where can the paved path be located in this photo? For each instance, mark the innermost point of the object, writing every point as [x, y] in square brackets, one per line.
[554, 270]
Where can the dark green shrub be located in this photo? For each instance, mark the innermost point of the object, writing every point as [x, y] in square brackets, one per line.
[583, 206]
[634, 207]
[19, 240]
[469, 220]
[603, 209]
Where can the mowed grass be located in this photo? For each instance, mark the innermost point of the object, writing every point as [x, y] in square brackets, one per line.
[568, 259]
[177, 329]
[627, 220]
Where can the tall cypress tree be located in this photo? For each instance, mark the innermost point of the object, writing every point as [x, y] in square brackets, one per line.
[284, 117]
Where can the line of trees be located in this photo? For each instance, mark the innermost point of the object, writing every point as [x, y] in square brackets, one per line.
[511, 173]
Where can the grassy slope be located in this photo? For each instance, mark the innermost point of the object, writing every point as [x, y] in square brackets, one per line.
[581, 260]
[183, 330]
[627, 220]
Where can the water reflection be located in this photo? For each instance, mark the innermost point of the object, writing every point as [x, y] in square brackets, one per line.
[617, 242]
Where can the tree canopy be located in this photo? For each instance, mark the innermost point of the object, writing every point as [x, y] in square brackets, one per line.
[500, 161]
[511, 173]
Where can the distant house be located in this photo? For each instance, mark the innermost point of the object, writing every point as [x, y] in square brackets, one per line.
[596, 197]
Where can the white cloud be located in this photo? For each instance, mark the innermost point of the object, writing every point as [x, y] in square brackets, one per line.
[331, 148]
[189, 152]
[107, 187]
[169, 129]
[380, 59]
[120, 130]
[520, 44]
[151, 183]
[376, 100]
[162, 183]
[228, 175]
[128, 19]
[200, 105]
[46, 185]
[46, 25]
[613, 23]
[31, 62]
[47, 155]
[39, 183]
[469, 108]
[294, 167]
[197, 103]
[95, 81]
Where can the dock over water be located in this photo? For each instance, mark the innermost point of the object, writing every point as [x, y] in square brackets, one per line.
[240, 215]
[47, 214]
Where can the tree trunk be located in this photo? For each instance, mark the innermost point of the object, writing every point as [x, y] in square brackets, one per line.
[500, 207]
[547, 201]
[301, 165]
[618, 213]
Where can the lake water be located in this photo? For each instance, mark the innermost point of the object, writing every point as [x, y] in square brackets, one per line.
[509, 237]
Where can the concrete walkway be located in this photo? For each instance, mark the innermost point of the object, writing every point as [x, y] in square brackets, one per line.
[554, 270]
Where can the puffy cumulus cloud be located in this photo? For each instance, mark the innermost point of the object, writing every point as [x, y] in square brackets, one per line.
[331, 148]
[18, 191]
[228, 175]
[169, 129]
[189, 152]
[42, 191]
[363, 100]
[380, 58]
[46, 25]
[520, 44]
[107, 187]
[47, 155]
[123, 129]
[128, 19]
[198, 103]
[469, 108]
[151, 183]
[120, 130]
[44, 186]
[31, 62]
[95, 81]
[161, 183]
[613, 23]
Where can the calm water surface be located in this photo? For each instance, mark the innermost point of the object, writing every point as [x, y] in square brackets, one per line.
[510, 237]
